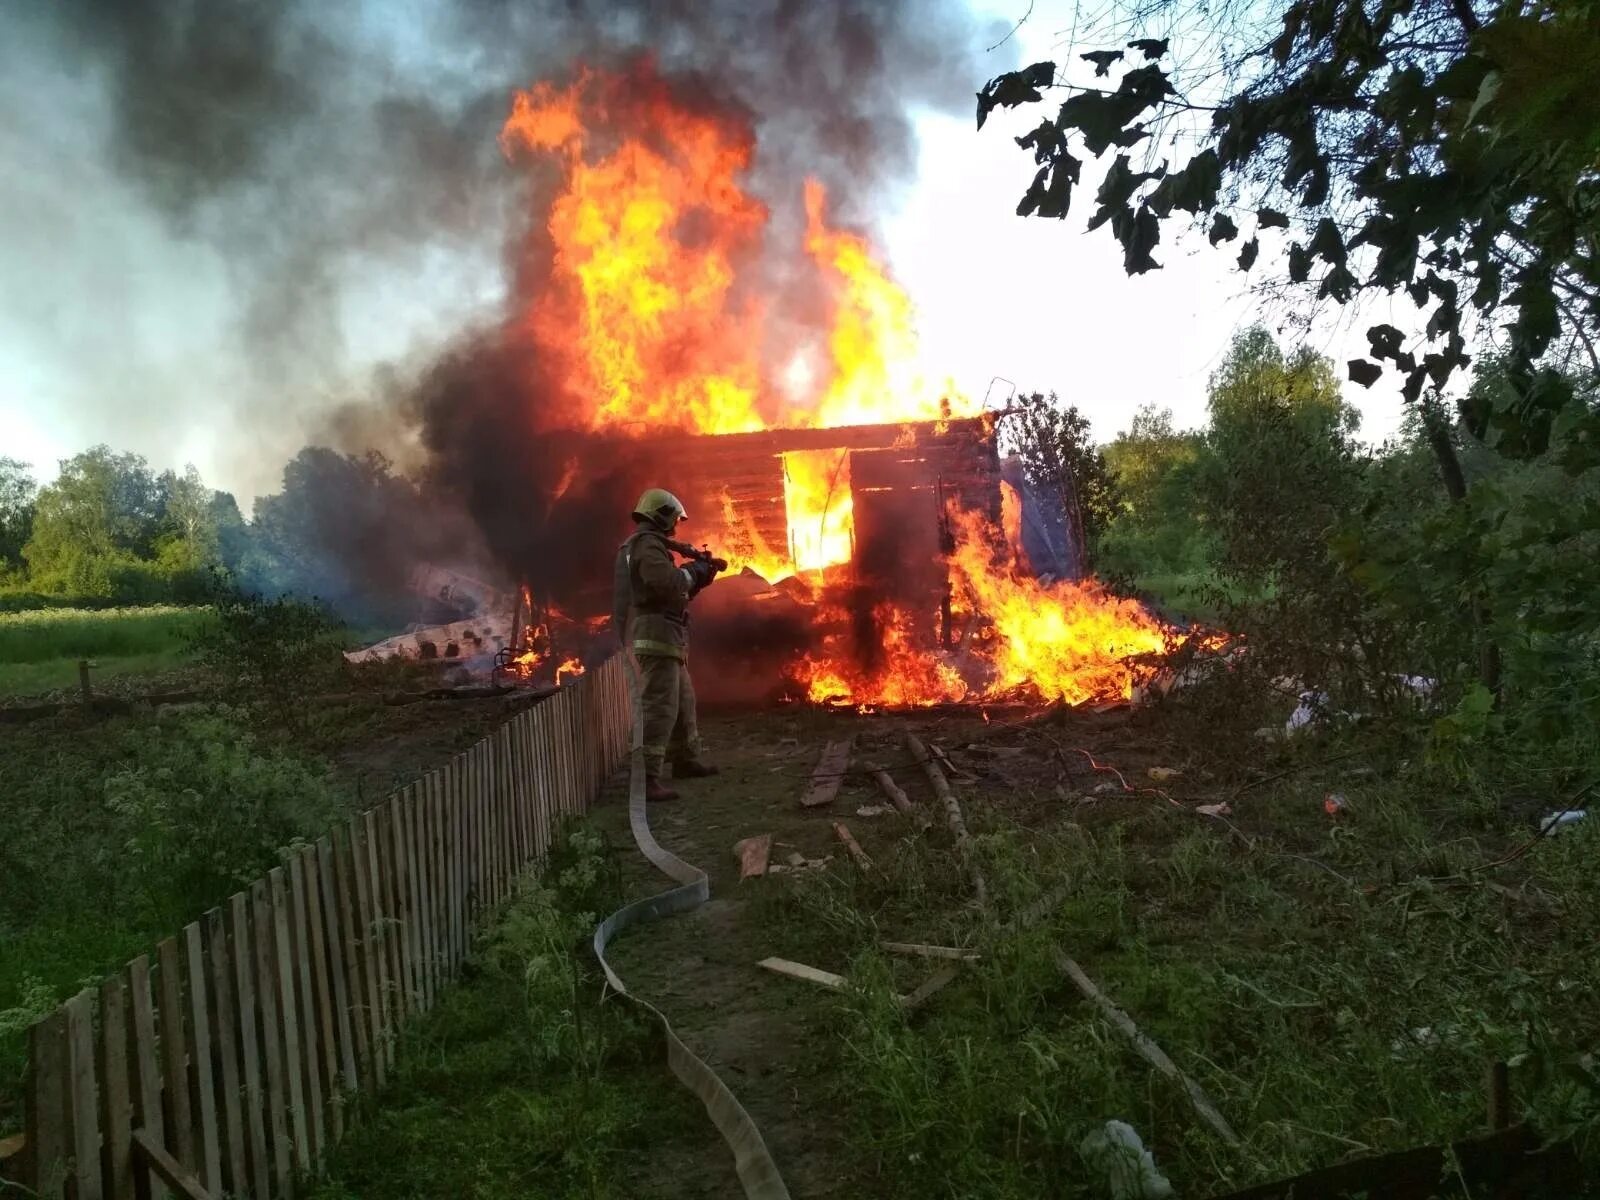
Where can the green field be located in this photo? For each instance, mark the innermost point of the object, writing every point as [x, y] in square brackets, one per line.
[40, 649]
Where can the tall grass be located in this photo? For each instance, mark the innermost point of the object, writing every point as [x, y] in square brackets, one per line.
[40, 635]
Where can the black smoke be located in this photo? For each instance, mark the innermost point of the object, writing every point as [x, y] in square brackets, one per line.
[324, 149]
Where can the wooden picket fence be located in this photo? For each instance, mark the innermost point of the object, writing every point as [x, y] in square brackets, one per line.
[229, 1064]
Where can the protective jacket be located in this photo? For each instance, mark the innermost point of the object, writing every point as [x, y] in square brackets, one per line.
[655, 591]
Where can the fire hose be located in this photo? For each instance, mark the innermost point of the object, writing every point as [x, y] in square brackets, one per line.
[757, 1172]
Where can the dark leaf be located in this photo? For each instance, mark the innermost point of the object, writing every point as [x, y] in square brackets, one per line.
[1046, 142]
[1327, 243]
[1102, 60]
[1385, 341]
[1222, 229]
[1136, 247]
[1151, 48]
[1032, 198]
[1364, 372]
[1014, 88]
[1116, 189]
[1271, 218]
[1413, 386]
[1247, 254]
[1338, 283]
[1299, 263]
[1284, 45]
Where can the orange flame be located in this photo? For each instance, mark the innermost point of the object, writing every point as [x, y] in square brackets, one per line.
[650, 318]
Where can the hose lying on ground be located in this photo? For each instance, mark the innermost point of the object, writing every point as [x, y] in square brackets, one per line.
[757, 1172]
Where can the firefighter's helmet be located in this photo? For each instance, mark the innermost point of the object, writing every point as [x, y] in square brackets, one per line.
[660, 507]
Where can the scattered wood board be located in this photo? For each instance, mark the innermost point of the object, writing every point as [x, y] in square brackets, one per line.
[753, 853]
[828, 775]
[842, 832]
[794, 970]
[900, 800]
[933, 983]
[1148, 1050]
[958, 824]
[921, 950]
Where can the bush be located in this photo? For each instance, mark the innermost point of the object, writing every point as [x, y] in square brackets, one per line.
[212, 814]
[277, 650]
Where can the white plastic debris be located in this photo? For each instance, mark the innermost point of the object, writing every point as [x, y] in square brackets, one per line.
[1214, 810]
[874, 810]
[1312, 706]
[1557, 821]
[1117, 1154]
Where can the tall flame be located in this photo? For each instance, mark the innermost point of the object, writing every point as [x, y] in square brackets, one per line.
[649, 313]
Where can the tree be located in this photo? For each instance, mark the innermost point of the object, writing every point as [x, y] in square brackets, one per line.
[1157, 528]
[17, 492]
[97, 519]
[1444, 148]
[1059, 457]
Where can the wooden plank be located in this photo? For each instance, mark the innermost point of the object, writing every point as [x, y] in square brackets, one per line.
[353, 1024]
[394, 931]
[1148, 1050]
[146, 1059]
[419, 945]
[327, 1037]
[753, 853]
[952, 808]
[441, 884]
[794, 970]
[289, 1021]
[305, 996]
[369, 950]
[208, 1146]
[225, 1051]
[333, 936]
[46, 1110]
[174, 1052]
[244, 990]
[427, 866]
[400, 902]
[263, 942]
[933, 983]
[167, 1169]
[83, 1097]
[921, 950]
[381, 933]
[116, 1100]
[842, 832]
[900, 800]
[828, 775]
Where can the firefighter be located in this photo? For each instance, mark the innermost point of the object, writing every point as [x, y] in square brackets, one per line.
[652, 589]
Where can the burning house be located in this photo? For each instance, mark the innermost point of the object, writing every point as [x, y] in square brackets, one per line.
[665, 331]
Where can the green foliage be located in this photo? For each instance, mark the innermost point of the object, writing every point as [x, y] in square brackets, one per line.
[40, 648]
[1156, 530]
[211, 816]
[17, 492]
[273, 650]
[1443, 148]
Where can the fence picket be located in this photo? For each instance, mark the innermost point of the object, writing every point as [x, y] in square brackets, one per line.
[263, 942]
[310, 1049]
[237, 1057]
[200, 1060]
[244, 990]
[382, 933]
[116, 1101]
[146, 1061]
[316, 941]
[225, 1053]
[289, 1020]
[175, 1054]
[82, 1096]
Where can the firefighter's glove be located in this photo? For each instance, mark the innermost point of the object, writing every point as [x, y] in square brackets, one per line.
[700, 574]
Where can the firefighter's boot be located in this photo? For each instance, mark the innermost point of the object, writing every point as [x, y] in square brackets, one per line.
[693, 768]
[655, 791]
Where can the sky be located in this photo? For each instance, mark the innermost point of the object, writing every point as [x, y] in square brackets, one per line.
[118, 326]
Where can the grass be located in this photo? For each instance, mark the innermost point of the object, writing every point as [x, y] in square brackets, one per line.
[40, 648]
[521, 1083]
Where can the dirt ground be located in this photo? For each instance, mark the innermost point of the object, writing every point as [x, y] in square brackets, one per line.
[768, 1037]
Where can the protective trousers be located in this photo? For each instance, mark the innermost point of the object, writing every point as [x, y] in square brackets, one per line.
[667, 696]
